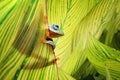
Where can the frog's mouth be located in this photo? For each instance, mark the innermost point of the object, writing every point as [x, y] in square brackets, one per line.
[53, 34]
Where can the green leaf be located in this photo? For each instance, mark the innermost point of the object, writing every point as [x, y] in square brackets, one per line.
[23, 55]
[106, 60]
[71, 47]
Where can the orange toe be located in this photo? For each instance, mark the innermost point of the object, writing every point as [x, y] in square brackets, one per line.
[43, 40]
[56, 58]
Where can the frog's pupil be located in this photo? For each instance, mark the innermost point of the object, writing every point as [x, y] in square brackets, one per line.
[55, 26]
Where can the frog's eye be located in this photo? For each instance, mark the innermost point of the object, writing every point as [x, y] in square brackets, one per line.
[55, 26]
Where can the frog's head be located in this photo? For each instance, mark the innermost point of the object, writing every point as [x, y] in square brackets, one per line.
[55, 31]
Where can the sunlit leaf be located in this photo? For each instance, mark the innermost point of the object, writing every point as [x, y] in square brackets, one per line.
[106, 60]
[24, 57]
[71, 47]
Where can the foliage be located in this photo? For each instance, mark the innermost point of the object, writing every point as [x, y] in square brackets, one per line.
[89, 50]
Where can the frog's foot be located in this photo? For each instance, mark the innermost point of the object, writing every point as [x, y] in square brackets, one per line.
[56, 59]
[43, 40]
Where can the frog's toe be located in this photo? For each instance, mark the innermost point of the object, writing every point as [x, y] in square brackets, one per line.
[43, 40]
[56, 59]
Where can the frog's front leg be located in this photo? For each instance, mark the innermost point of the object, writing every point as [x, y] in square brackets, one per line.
[48, 34]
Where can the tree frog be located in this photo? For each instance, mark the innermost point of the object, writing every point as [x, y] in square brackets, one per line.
[52, 32]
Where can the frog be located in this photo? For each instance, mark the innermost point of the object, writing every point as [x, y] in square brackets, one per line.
[53, 31]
